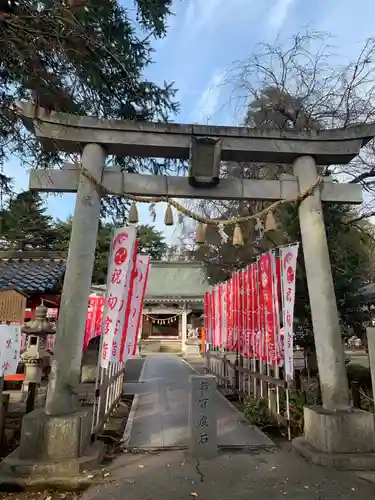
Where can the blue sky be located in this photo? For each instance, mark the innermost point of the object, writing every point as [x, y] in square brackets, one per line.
[205, 37]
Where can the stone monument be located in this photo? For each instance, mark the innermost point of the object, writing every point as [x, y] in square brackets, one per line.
[203, 416]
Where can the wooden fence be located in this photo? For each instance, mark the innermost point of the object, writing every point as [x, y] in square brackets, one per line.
[108, 391]
[251, 379]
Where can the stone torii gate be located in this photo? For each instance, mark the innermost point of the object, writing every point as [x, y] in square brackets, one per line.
[62, 425]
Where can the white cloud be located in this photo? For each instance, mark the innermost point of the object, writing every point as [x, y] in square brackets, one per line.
[278, 13]
[199, 13]
[209, 14]
[209, 100]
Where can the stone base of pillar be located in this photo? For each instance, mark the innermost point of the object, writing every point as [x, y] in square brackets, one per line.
[341, 439]
[53, 451]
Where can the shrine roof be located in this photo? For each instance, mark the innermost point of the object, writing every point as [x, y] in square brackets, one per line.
[173, 281]
[177, 280]
[32, 272]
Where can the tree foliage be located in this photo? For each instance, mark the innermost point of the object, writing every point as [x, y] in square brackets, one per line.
[26, 225]
[150, 242]
[87, 60]
[303, 83]
[63, 230]
[352, 259]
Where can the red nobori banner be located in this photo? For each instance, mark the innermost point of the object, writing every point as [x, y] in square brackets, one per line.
[257, 313]
[230, 332]
[288, 275]
[244, 313]
[207, 317]
[130, 335]
[94, 319]
[119, 284]
[266, 286]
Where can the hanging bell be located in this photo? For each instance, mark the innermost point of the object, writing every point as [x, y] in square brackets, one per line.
[237, 236]
[168, 217]
[270, 224]
[200, 234]
[133, 214]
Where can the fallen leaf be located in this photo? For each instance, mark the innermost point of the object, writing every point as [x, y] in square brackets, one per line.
[194, 494]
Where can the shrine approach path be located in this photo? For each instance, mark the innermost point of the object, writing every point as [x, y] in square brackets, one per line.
[159, 419]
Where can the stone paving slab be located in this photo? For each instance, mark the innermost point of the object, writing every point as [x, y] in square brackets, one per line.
[262, 475]
[142, 387]
[160, 416]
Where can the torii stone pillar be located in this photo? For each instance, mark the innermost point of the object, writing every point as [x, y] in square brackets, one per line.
[66, 365]
[335, 435]
[325, 318]
[55, 442]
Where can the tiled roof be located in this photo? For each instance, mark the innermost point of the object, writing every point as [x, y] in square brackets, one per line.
[173, 280]
[185, 280]
[31, 272]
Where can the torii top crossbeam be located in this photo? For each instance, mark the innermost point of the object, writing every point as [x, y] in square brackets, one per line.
[59, 131]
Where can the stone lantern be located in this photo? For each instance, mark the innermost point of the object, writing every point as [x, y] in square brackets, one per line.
[36, 357]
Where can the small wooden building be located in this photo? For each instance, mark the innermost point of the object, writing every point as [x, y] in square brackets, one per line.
[12, 306]
[27, 277]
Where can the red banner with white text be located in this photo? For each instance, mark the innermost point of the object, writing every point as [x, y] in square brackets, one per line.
[131, 330]
[118, 294]
[247, 312]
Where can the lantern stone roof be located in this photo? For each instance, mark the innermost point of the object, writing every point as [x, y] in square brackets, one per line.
[173, 282]
[32, 271]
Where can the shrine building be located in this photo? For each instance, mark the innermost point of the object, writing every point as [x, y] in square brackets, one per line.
[173, 307]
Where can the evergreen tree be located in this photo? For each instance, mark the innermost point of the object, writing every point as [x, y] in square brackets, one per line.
[85, 58]
[150, 242]
[26, 225]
